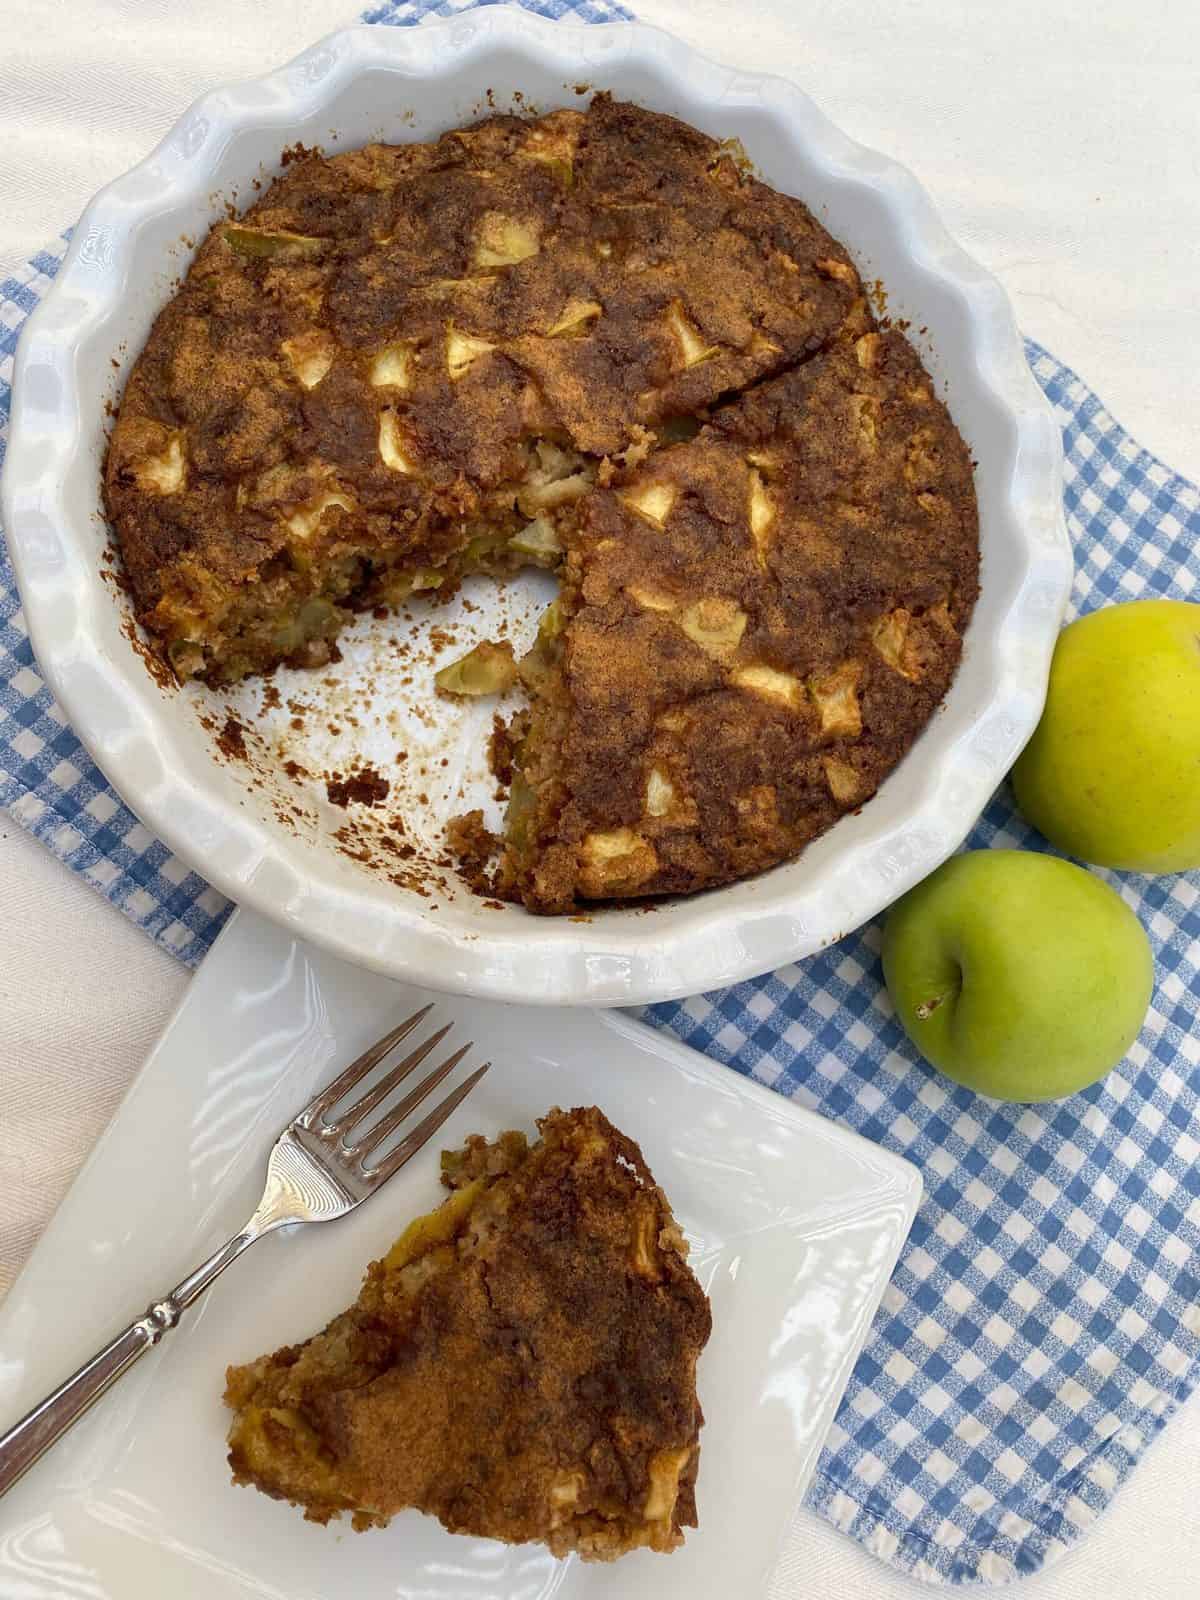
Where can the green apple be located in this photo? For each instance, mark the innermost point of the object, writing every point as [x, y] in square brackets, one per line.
[1112, 773]
[1020, 975]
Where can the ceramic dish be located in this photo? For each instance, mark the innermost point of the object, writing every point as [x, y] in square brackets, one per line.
[412, 83]
[794, 1225]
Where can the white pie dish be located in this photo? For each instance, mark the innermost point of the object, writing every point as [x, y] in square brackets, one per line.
[413, 83]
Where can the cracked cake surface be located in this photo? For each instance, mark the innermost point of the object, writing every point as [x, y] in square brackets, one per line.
[520, 1365]
[589, 341]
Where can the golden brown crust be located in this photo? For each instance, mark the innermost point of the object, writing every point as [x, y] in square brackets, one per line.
[521, 1365]
[762, 621]
[466, 261]
[407, 362]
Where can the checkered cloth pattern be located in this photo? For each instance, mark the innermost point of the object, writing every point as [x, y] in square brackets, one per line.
[1044, 1320]
[405, 13]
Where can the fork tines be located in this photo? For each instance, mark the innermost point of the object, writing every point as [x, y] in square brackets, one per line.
[316, 1119]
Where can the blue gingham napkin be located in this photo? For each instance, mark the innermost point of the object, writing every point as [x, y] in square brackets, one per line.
[1044, 1320]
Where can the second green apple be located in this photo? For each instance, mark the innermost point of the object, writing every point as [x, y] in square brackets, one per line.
[1112, 773]
[1020, 975]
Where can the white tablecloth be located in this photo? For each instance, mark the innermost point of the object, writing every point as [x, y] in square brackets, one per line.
[1062, 143]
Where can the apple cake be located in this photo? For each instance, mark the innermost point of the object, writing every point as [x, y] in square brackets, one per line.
[520, 1365]
[590, 341]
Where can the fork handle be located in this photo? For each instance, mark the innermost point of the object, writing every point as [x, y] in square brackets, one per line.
[28, 1440]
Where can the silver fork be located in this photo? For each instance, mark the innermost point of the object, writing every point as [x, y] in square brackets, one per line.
[315, 1173]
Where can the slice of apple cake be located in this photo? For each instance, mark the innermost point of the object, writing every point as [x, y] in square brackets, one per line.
[520, 1365]
[753, 627]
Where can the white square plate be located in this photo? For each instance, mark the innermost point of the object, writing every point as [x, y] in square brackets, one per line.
[795, 1225]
